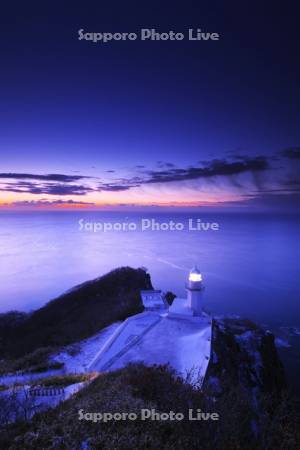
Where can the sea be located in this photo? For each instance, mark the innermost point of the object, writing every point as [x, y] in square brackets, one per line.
[249, 261]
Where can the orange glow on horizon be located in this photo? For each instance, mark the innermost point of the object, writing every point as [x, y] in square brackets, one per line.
[75, 206]
[134, 198]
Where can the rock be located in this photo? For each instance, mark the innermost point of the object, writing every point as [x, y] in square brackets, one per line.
[244, 354]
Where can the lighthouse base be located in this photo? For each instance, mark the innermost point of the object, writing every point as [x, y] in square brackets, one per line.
[180, 309]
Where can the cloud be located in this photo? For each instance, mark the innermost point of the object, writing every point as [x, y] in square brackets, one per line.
[49, 177]
[292, 182]
[61, 184]
[110, 187]
[291, 153]
[165, 172]
[163, 164]
[44, 202]
[211, 169]
[216, 167]
[45, 188]
[274, 200]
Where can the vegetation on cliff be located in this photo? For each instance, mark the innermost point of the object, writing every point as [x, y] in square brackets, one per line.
[138, 387]
[75, 315]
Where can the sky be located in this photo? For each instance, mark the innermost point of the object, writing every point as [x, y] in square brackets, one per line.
[175, 123]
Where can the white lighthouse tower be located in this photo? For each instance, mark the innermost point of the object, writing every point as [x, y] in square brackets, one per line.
[191, 306]
[195, 291]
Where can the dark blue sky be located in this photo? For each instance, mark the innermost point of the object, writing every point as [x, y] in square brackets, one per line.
[76, 107]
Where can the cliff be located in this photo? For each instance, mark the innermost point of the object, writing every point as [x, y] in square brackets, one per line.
[77, 314]
[244, 354]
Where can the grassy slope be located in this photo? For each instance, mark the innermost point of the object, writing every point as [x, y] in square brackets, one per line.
[78, 313]
[137, 387]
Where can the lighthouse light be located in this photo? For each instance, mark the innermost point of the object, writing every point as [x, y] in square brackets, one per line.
[195, 276]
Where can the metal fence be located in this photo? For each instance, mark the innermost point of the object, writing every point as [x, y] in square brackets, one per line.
[39, 392]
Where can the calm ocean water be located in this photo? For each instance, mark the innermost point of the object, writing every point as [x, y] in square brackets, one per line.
[250, 265]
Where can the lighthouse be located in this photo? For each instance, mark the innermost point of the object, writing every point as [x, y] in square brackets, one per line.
[194, 289]
[191, 306]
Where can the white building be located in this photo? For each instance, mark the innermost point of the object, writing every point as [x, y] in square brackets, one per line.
[153, 299]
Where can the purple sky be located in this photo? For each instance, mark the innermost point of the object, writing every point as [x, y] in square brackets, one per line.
[175, 123]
